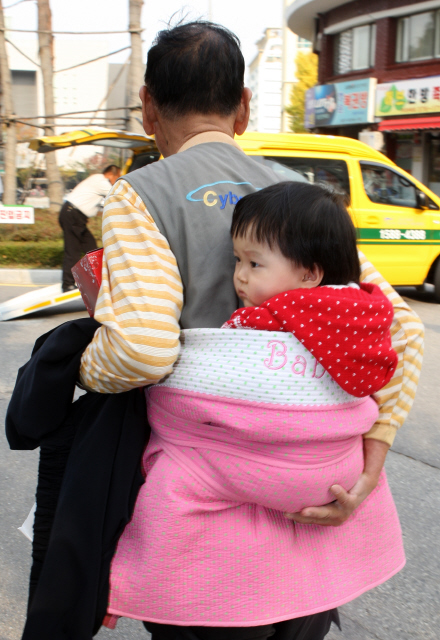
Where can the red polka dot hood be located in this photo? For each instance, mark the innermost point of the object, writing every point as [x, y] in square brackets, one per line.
[346, 329]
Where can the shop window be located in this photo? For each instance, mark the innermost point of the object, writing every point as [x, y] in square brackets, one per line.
[384, 186]
[405, 144]
[354, 49]
[314, 170]
[434, 163]
[418, 37]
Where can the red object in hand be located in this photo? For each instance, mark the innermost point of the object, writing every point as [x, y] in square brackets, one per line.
[87, 274]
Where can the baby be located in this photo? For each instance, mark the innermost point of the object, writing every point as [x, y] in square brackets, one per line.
[317, 346]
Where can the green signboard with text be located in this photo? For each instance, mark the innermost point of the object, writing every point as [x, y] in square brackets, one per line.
[407, 97]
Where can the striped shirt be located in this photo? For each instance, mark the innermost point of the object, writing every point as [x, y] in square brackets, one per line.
[140, 302]
[407, 335]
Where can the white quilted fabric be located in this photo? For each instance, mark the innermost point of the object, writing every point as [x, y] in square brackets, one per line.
[259, 366]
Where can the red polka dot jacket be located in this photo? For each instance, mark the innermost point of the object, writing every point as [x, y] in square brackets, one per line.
[346, 329]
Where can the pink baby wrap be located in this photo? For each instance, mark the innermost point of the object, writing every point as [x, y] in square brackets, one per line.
[277, 457]
[208, 543]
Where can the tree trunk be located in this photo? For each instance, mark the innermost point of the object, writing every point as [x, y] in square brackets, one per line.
[135, 77]
[45, 41]
[10, 177]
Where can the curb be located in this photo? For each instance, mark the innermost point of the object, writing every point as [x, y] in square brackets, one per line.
[30, 276]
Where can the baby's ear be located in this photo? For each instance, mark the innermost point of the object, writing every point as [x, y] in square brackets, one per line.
[313, 277]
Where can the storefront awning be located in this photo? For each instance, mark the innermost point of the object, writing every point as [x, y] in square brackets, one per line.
[410, 124]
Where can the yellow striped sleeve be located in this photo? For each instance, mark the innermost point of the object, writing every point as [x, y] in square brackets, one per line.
[407, 333]
[139, 302]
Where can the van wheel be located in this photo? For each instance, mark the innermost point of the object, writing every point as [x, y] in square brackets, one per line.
[437, 282]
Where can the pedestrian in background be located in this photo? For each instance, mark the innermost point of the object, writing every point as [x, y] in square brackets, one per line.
[83, 202]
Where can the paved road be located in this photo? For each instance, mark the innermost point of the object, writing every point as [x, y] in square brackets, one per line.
[406, 607]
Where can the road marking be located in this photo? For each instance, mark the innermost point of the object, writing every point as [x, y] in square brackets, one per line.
[37, 306]
[75, 294]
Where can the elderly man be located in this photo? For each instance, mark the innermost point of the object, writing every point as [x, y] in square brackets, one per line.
[168, 264]
[82, 203]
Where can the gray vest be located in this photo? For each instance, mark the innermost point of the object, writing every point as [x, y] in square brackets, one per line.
[191, 197]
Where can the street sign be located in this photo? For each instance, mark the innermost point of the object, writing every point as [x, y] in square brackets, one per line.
[16, 214]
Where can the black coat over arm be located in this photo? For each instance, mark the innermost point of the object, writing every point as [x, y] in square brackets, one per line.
[88, 480]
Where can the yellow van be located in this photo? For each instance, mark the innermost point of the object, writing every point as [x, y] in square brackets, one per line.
[397, 217]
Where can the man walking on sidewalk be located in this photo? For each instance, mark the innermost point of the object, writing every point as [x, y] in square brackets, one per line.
[82, 203]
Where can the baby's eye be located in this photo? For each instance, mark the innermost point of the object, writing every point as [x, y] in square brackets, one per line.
[237, 259]
[254, 264]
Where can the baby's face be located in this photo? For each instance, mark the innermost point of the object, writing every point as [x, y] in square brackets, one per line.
[261, 272]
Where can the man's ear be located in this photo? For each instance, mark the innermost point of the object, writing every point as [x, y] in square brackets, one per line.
[149, 116]
[243, 112]
[313, 277]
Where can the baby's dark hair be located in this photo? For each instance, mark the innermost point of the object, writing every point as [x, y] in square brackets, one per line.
[309, 224]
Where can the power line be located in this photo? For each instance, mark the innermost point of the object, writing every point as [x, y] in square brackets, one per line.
[15, 3]
[75, 66]
[110, 89]
[81, 64]
[74, 113]
[73, 124]
[73, 33]
[85, 118]
[22, 53]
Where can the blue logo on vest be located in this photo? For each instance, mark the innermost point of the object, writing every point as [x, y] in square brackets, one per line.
[212, 197]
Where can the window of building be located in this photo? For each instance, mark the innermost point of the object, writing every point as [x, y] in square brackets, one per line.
[303, 43]
[418, 37]
[355, 49]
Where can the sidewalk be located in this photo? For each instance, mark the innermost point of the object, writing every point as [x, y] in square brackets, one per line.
[30, 277]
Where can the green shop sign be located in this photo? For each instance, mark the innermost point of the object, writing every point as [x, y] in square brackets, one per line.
[399, 98]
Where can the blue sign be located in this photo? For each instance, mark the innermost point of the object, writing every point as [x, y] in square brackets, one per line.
[342, 103]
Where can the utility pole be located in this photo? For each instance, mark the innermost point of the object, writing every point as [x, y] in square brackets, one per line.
[10, 178]
[45, 42]
[135, 77]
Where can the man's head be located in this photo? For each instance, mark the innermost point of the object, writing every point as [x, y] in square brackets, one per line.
[112, 173]
[195, 72]
[195, 68]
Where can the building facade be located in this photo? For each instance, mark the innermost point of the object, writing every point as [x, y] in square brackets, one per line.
[265, 82]
[394, 47]
[271, 76]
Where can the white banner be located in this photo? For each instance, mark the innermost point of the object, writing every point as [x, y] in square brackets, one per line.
[16, 214]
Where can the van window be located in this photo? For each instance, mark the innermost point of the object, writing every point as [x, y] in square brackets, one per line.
[142, 159]
[280, 169]
[317, 170]
[385, 186]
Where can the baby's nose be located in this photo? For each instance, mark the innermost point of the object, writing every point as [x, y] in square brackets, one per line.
[242, 275]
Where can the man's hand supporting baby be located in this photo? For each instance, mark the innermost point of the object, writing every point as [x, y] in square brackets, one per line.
[336, 513]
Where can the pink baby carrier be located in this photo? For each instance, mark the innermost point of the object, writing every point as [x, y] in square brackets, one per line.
[251, 424]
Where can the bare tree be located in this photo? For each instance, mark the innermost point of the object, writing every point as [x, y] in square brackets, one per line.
[136, 69]
[10, 179]
[45, 40]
